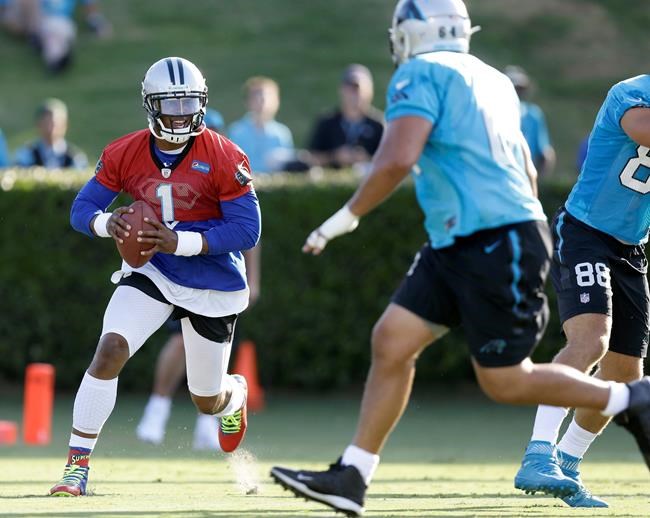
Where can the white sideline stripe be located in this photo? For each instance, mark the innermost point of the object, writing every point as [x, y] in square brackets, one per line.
[337, 502]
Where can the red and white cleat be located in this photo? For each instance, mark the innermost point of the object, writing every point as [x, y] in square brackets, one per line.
[232, 428]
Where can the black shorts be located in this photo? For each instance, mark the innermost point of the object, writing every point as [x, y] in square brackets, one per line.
[491, 283]
[592, 272]
[216, 329]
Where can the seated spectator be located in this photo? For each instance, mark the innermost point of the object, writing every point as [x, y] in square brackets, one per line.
[21, 17]
[350, 135]
[533, 123]
[4, 153]
[268, 143]
[50, 26]
[51, 150]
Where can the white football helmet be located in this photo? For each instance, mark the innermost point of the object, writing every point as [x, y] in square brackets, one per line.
[421, 26]
[174, 87]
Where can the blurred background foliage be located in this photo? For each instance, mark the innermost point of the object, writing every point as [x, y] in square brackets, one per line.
[312, 322]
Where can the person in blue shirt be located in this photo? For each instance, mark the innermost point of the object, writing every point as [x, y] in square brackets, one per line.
[599, 272]
[50, 26]
[4, 152]
[267, 142]
[453, 122]
[51, 150]
[533, 123]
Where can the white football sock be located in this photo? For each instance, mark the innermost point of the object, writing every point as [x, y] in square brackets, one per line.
[236, 397]
[547, 423]
[158, 408]
[76, 441]
[363, 460]
[576, 440]
[619, 399]
[93, 404]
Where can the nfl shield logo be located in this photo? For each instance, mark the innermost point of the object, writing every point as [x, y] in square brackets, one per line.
[584, 298]
[166, 172]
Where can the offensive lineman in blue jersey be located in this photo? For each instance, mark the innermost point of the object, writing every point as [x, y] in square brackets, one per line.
[599, 273]
[454, 121]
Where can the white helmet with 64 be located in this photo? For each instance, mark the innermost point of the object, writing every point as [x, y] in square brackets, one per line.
[421, 26]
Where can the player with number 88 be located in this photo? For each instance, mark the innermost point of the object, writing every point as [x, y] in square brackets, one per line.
[599, 273]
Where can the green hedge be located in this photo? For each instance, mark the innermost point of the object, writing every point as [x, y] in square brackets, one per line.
[312, 322]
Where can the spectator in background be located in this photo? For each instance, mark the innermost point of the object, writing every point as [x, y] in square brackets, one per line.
[51, 150]
[50, 26]
[4, 152]
[581, 155]
[533, 123]
[214, 121]
[350, 135]
[268, 143]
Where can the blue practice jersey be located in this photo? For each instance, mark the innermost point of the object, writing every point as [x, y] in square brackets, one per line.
[611, 194]
[533, 126]
[471, 174]
[63, 8]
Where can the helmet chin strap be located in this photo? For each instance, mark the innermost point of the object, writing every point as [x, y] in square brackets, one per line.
[164, 133]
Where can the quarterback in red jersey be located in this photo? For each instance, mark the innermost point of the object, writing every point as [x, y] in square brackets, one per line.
[199, 184]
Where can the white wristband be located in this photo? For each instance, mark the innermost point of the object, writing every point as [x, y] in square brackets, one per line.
[189, 243]
[339, 223]
[100, 223]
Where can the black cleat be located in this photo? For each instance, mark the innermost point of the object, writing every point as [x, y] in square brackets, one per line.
[636, 418]
[341, 487]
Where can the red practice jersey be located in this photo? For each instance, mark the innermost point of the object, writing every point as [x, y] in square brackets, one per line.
[187, 196]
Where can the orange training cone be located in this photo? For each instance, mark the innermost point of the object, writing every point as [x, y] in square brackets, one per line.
[8, 433]
[246, 365]
[38, 403]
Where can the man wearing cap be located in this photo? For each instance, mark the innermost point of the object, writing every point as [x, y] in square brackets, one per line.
[533, 122]
[350, 135]
[51, 150]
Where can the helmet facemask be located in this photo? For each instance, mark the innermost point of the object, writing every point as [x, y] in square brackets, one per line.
[176, 106]
[174, 95]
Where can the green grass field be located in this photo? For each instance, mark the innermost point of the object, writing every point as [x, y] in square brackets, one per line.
[452, 455]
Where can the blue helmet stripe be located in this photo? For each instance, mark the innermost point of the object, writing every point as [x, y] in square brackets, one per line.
[409, 11]
[170, 68]
[181, 72]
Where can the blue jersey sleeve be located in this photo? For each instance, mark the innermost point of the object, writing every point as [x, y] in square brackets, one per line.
[91, 199]
[624, 96]
[410, 92]
[240, 227]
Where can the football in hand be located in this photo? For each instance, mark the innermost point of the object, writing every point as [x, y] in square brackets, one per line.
[130, 249]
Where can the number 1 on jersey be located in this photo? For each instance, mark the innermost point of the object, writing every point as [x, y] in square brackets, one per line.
[164, 194]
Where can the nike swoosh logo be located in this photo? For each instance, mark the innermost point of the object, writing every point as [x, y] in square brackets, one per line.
[491, 248]
[300, 476]
[402, 84]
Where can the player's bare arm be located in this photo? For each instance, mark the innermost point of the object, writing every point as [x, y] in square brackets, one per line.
[636, 123]
[400, 148]
[531, 170]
